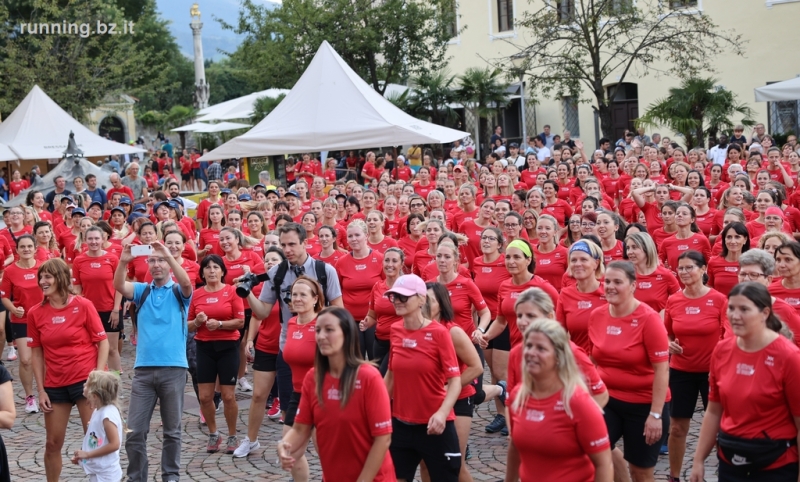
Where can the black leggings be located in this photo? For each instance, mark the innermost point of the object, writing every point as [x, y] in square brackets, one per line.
[380, 354]
[365, 339]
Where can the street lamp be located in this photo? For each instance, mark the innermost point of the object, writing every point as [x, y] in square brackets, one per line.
[520, 61]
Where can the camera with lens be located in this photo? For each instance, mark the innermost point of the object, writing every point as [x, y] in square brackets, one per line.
[249, 281]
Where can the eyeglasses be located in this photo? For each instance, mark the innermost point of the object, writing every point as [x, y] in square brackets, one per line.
[396, 297]
[509, 225]
[587, 225]
[15, 213]
[417, 205]
[750, 276]
[686, 269]
[489, 238]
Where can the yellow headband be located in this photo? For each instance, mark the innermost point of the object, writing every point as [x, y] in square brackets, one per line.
[522, 246]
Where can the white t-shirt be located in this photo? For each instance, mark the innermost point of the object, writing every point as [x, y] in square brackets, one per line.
[107, 465]
[718, 155]
[543, 154]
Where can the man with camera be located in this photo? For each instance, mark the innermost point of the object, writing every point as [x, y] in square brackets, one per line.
[298, 262]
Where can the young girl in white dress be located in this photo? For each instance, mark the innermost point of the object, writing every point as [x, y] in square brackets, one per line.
[100, 452]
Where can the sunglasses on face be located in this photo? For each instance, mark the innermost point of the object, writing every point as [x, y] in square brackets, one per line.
[397, 297]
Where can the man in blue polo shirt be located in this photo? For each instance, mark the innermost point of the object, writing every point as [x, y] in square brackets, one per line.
[161, 364]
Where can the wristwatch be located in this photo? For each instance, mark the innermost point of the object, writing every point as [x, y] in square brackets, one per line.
[482, 330]
[655, 415]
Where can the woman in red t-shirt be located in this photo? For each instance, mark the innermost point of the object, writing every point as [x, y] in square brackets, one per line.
[576, 302]
[46, 245]
[17, 184]
[554, 206]
[309, 222]
[464, 294]
[67, 342]
[787, 266]
[376, 239]
[422, 184]
[330, 252]
[723, 270]
[93, 278]
[654, 283]
[352, 416]
[424, 383]
[212, 199]
[257, 229]
[630, 346]
[209, 235]
[137, 269]
[549, 255]
[262, 348]
[754, 393]
[607, 227]
[20, 293]
[381, 313]
[217, 314]
[474, 228]
[705, 214]
[577, 444]
[299, 350]
[358, 272]
[696, 321]
[685, 238]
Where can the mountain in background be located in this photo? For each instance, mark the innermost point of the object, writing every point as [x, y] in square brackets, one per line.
[215, 38]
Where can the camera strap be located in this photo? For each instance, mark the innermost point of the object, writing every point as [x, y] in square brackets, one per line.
[283, 268]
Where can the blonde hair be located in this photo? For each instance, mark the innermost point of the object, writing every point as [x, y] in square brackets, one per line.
[360, 224]
[547, 217]
[105, 386]
[567, 368]
[34, 214]
[645, 242]
[597, 254]
[785, 238]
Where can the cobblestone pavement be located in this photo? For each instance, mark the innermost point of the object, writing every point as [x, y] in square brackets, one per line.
[25, 444]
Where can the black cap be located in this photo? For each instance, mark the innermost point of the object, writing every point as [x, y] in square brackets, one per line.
[513, 144]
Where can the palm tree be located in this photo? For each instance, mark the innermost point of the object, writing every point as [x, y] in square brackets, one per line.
[432, 96]
[484, 91]
[263, 106]
[697, 110]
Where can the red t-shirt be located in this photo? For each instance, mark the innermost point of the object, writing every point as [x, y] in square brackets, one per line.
[22, 287]
[768, 379]
[698, 324]
[236, 268]
[614, 254]
[345, 434]
[124, 190]
[383, 245]
[652, 216]
[192, 271]
[269, 332]
[706, 221]
[43, 254]
[629, 210]
[473, 232]
[210, 237]
[68, 338]
[421, 362]
[460, 217]
[222, 305]
[561, 210]
[357, 277]
[464, 295]
[788, 315]
[11, 240]
[585, 365]
[16, 187]
[95, 275]
[551, 266]
[673, 247]
[507, 296]
[333, 258]
[790, 296]
[138, 269]
[424, 190]
[575, 311]
[563, 454]
[655, 288]
[202, 210]
[384, 310]
[488, 277]
[625, 350]
[723, 275]
[299, 350]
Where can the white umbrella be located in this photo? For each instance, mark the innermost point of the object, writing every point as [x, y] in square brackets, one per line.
[786, 90]
[307, 121]
[239, 108]
[6, 154]
[190, 127]
[221, 127]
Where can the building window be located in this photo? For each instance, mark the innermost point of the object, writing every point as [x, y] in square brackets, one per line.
[569, 109]
[683, 3]
[784, 117]
[451, 8]
[505, 15]
[615, 7]
[565, 10]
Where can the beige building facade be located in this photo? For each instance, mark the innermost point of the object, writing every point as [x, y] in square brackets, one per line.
[768, 27]
[115, 117]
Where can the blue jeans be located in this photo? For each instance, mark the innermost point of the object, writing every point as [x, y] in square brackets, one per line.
[152, 384]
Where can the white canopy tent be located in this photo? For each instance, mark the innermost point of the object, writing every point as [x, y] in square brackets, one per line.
[221, 127]
[239, 108]
[190, 127]
[786, 90]
[332, 108]
[6, 154]
[39, 129]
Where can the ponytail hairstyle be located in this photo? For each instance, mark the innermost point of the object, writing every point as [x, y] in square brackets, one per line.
[758, 294]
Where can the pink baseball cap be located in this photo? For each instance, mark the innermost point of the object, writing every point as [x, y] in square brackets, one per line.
[408, 285]
[774, 211]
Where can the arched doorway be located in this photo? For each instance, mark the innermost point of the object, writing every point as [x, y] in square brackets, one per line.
[114, 128]
[624, 107]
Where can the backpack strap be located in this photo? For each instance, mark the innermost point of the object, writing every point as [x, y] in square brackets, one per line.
[322, 278]
[277, 280]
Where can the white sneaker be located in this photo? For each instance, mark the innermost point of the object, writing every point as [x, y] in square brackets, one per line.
[12, 354]
[31, 405]
[244, 385]
[245, 447]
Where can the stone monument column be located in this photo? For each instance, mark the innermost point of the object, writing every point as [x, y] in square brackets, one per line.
[201, 86]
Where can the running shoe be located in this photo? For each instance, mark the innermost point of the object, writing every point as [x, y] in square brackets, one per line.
[202, 419]
[502, 384]
[12, 354]
[231, 445]
[497, 424]
[244, 385]
[31, 404]
[504, 431]
[245, 447]
[214, 442]
[274, 411]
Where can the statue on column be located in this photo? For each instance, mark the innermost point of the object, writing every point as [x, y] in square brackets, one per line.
[201, 94]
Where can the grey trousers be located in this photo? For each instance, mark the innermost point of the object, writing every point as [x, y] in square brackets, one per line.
[149, 385]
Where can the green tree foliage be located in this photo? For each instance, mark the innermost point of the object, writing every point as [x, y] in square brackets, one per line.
[227, 81]
[78, 71]
[697, 110]
[581, 46]
[263, 106]
[484, 91]
[384, 42]
[433, 93]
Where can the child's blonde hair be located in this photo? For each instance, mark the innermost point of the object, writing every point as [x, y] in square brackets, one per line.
[105, 386]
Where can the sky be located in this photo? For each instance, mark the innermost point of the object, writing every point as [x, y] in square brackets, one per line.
[215, 38]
